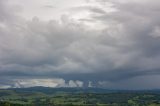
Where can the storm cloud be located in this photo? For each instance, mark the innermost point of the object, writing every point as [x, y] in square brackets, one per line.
[101, 43]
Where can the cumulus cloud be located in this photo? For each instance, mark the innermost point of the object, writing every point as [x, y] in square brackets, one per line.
[32, 82]
[97, 48]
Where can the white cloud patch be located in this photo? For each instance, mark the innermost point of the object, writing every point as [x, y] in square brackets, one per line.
[38, 82]
[45, 82]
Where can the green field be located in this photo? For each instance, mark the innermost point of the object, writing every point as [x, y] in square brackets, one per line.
[77, 97]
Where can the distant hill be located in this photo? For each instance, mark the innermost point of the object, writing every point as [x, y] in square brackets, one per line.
[48, 90]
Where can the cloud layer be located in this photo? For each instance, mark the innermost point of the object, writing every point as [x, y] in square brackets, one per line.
[103, 43]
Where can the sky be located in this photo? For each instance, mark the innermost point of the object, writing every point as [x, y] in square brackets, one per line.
[114, 44]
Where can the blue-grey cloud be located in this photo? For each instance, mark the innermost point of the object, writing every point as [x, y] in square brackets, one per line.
[126, 47]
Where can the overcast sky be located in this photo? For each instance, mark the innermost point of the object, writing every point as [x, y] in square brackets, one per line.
[113, 44]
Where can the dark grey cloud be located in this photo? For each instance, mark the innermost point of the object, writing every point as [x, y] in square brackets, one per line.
[113, 56]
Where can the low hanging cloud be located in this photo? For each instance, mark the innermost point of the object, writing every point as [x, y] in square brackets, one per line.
[32, 82]
[104, 48]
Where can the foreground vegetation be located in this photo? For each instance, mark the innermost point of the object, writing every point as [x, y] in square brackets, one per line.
[22, 97]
